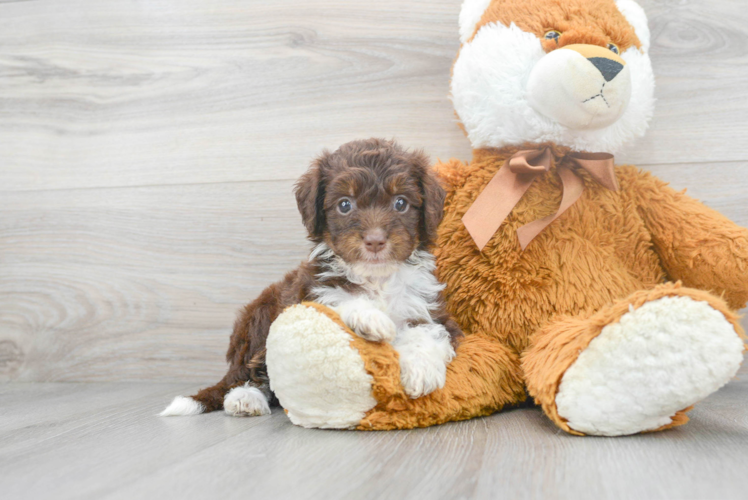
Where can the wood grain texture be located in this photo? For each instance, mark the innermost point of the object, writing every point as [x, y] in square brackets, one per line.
[148, 152]
[91, 438]
[137, 283]
[104, 93]
[104, 441]
[110, 94]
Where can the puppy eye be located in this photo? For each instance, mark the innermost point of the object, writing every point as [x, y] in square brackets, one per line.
[345, 206]
[552, 35]
[401, 204]
[613, 48]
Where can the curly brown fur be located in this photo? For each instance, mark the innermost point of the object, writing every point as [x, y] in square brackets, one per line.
[372, 174]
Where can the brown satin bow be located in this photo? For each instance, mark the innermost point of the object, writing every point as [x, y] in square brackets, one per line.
[503, 192]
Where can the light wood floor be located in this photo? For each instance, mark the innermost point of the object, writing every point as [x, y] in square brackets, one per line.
[147, 155]
[103, 440]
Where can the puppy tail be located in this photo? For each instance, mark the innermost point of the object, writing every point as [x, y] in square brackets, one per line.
[207, 400]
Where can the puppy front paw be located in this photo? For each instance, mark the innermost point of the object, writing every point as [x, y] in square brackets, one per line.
[246, 402]
[372, 324]
[421, 374]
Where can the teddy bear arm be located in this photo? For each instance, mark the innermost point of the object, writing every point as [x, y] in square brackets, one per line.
[697, 245]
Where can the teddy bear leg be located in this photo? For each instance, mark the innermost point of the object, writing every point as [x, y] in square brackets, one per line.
[326, 376]
[315, 370]
[636, 365]
[484, 377]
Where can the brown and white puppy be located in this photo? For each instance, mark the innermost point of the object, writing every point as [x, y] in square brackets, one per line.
[372, 210]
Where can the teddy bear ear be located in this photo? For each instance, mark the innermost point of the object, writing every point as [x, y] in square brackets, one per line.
[637, 18]
[470, 14]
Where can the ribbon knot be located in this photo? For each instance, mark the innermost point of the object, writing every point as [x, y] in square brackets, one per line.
[532, 162]
[506, 188]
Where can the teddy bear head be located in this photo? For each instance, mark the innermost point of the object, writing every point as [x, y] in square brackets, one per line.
[572, 72]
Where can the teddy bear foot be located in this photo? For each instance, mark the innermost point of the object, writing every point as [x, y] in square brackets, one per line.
[642, 371]
[635, 365]
[326, 376]
[315, 370]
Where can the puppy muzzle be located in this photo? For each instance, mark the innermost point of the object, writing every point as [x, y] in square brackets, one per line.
[580, 86]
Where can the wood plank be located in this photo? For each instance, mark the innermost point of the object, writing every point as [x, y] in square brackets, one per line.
[514, 454]
[110, 94]
[185, 92]
[73, 408]
[98, 437]
[103, 440]
[700, 69]
[136, 284]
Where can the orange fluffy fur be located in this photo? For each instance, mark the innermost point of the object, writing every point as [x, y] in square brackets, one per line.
[527, 315]
[609, 250]
[544, 305]
[594, 22]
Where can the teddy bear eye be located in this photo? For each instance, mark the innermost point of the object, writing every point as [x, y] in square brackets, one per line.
[344, 206]
[401, 204]
[552, 35]
[613, 48]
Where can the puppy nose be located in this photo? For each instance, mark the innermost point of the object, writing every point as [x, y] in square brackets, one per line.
[375, 241]
[607, 67]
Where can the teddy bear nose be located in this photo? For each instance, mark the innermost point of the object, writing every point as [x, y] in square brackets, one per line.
[375, 241]
[608, 67]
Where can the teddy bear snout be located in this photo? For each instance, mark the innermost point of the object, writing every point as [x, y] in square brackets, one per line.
[580, 87]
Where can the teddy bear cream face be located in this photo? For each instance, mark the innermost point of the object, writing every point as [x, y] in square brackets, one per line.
[580, 86]
[572, 72]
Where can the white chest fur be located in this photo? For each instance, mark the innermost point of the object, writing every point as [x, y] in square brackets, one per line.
[388, 301]
[406, 292]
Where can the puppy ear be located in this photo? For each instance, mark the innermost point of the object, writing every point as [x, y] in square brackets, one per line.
[433, 199]
[310, 197]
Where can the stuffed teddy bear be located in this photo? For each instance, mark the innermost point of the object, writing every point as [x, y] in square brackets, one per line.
[597, 291]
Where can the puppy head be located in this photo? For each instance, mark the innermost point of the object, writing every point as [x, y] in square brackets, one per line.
[371, 201]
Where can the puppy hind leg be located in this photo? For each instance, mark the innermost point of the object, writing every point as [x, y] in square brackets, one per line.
[248, 400]
[211, 398]
[207, 400]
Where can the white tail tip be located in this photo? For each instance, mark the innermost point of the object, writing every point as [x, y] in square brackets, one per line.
[182, 406]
